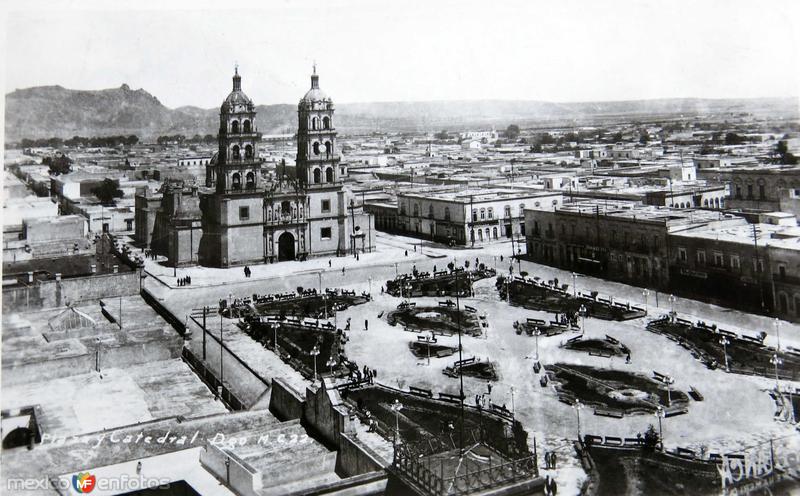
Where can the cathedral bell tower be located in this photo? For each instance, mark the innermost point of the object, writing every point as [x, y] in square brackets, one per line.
[233, 213]
[237, 167]
[317, 154]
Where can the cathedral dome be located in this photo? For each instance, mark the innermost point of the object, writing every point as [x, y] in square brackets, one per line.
[315, 94]
[237, 101]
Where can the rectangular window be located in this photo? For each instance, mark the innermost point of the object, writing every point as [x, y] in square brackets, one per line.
[735, 264]
[682, 254]
[701, 257]
[244, 213]
[326, 205]
[719, 260]
[325, 233]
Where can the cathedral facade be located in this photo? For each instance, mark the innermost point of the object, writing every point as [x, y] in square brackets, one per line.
[305, 211]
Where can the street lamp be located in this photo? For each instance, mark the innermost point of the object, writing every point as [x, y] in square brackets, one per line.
[577, 406]
[669, 381]
[314, 352]
[776, 361]
[274, 326]
[396, 407]
[480, 402]
[725, 342]
[645, 293]
[660, 415]
[512, 401]
[574, 284]
[582, 312]
[536, 333]
[331, 363]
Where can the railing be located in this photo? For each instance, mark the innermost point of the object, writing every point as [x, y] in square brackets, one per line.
[469, 482]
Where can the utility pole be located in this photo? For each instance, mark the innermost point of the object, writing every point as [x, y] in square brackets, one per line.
[757, 268]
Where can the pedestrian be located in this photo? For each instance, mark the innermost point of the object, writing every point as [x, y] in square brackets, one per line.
[329, 263]
[366, 324]
[189, 280]
[357, 259]
[434, 270]
[415, 248]
[343, 270]
[406, 252]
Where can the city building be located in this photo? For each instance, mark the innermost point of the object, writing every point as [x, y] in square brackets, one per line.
[766, 188]
[469, 216]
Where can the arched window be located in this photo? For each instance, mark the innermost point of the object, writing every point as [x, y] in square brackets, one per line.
[235, 127]
[488, 237]
[326, 123]
[246, 126]
[317, 176]
[313, 123]
[248, 151]
[474, 216]
[521, 209]
[235, 152]
[480, 235]
[269, 214]
[328, 148]
[507, 210]
[491, 213]
[483, 214]
[286, 207]
[250, 180]
[494, 232]
[236, 181]
[316, 148]
[416, 210]
[329, 175]
[446, 213]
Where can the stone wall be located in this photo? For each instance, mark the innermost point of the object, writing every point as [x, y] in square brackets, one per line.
[285, 402]
[53, 293]
[356, 458]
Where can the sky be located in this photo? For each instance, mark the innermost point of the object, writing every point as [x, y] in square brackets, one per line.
[368, 50]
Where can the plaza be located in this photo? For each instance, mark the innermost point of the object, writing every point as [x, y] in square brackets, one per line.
[735, 412]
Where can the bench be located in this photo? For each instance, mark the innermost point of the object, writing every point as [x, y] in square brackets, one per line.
[606, 412]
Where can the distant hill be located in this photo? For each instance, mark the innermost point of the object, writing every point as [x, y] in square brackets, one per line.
[54, 111]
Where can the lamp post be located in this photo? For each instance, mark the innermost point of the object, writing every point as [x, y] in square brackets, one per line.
[480, 402]
[512, 401]
[274, 326]
[319, 274]
[574, 285]
[582, 311]
[330, 363]
[777, 324]
[660, 415]
[669, 381]
[536, 333]
[645, 293]
[314, 352]
[577, 406]
[725, 342]
[776, 361]
[672, 306]
[396, 407]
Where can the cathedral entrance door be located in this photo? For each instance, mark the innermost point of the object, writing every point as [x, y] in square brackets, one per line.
[285, 247]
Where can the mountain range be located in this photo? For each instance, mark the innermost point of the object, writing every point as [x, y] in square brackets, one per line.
[54, 111]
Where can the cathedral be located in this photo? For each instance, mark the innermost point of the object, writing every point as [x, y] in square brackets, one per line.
[241, 217]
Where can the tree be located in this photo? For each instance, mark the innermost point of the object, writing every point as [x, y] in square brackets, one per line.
[512, 132]
[131, 140]
[442, 135]
[733, 139]
[651, 438]
[60, 164]
[107, 191]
